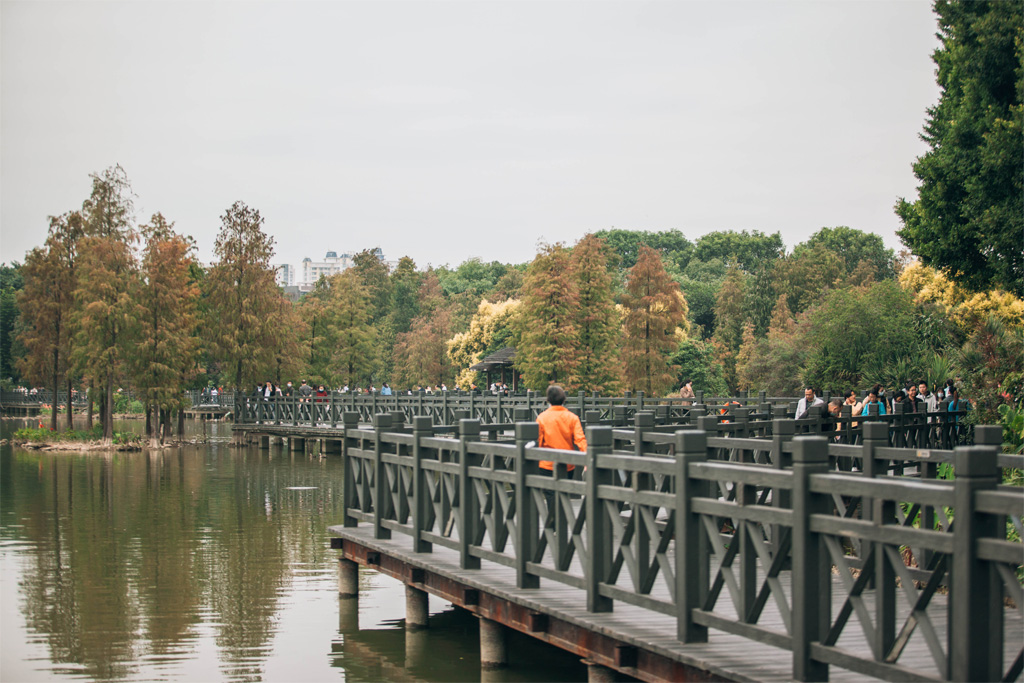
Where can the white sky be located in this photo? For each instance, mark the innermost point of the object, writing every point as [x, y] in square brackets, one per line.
[445, 130]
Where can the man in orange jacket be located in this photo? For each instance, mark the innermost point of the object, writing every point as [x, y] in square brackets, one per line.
[559, 428]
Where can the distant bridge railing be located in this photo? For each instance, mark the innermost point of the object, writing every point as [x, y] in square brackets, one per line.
[728, 534]
[941, 429]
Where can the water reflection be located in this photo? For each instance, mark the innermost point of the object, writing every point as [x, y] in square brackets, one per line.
[204, 563]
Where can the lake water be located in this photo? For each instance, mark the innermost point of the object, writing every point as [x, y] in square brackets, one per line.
[208, 563]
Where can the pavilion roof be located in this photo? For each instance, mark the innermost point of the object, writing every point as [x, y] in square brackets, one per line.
[501, 358]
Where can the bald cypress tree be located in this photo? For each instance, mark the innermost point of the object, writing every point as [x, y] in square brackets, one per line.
[243, 301]
[46, 303]
[655, 310]
[547, 323]
[598, 322]
[166, 311]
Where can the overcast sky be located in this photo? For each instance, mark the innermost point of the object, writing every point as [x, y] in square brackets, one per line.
[446, 130]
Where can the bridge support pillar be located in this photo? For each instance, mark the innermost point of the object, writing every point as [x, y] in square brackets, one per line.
[296, 444]
[596, 673]
[331, 446]
[416, 609]
[264, 442]
[348, 579]
[493, 648]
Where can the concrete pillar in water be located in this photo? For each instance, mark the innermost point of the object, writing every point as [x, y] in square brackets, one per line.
[417, 646]
[296, 444]
[264, 442]
[348, 579]
[493, 649]
[416, 608]
[597, 673]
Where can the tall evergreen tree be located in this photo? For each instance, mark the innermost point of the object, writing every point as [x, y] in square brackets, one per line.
[598, 322]
[655, 315]
[968, 219]
[11, 283]
[547, 349]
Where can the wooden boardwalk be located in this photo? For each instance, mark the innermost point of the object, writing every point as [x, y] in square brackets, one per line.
[725, 655]
[795, 565]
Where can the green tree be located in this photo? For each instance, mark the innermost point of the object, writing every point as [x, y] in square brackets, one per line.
[700, 283]
[548, 345]
[805, 277]
[598, 321]
[243, 324]
[853, 247]
[730, 315]
[11, 283]
[353, 335]
[969, 215]
[857, 334]
[695, 361]
[166, 311]
[675, 249]
[316, 343]
[751, 250]
[654, 321]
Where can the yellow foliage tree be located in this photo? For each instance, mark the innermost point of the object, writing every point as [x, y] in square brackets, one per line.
[965, 308]
[491, 325]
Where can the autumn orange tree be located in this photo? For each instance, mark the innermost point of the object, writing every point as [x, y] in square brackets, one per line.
[46, 302]
[655, 310]
[547, 323]
[104, 321]
[598, 322]
[166, 314]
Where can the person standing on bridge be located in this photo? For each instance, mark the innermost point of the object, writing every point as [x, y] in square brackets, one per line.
[559, 428]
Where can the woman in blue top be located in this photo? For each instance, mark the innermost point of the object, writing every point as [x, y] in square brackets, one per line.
[873, 400]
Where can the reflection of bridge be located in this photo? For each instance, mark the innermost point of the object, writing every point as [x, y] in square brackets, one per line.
[682, 554]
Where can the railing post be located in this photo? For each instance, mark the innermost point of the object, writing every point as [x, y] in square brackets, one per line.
[783, 430]
[348, 464]
[691, 547]
[811, 569]
[422, 427]
[469, 504]
[334, 413]
[599, 531]
[526, 510]
[381, 423]
[975, 606]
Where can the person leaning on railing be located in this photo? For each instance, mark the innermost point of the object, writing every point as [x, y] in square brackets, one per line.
[559, 428]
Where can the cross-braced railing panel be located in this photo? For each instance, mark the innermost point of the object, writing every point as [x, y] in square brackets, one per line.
[874, 584]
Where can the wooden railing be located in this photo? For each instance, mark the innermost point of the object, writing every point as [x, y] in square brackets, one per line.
[720, 532]
[941, 429]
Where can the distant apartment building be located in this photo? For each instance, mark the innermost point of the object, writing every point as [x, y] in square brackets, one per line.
[285, 275]
[311, 270]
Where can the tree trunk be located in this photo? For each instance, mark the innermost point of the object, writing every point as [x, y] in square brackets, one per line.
[166, 424]
[71, 408]
[181, 423]
[88, 410]
[108, 417]
[56, 386]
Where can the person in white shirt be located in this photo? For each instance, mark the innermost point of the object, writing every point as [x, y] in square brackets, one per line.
[807, 402]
